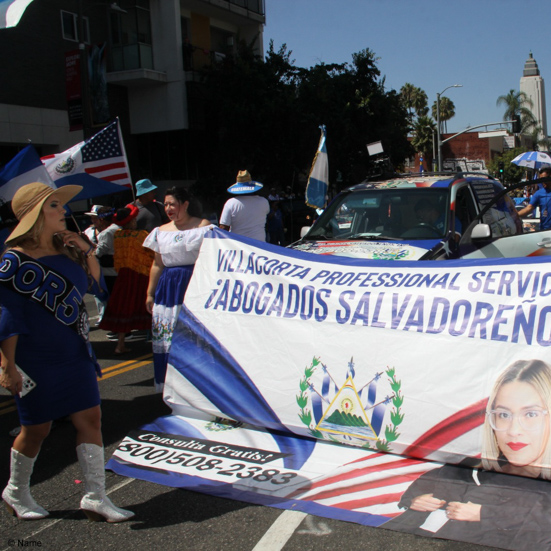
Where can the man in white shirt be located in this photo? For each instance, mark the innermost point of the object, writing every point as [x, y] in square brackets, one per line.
[246, 213]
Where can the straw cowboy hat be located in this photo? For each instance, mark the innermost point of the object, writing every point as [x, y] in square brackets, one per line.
[28, 200]
[245, 184]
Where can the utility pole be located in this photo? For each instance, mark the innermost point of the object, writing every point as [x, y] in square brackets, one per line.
[438, 122]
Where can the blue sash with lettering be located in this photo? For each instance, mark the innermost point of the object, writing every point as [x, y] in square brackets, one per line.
[47, 288]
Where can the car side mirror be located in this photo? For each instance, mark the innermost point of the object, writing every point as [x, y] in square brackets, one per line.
[481, 231]
[304, 230]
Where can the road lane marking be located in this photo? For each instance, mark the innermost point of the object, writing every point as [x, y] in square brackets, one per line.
[5, 409]
[128, 362]
[281, 531]
[7, 404]
[124, 370]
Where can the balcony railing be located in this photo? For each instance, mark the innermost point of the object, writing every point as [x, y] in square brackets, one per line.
[256, 6]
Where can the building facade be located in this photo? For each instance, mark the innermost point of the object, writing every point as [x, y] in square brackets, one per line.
[69, 66]
[532, 84]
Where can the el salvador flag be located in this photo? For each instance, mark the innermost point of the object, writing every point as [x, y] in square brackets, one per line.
[318, 181]
[25, 168]
[11, 12]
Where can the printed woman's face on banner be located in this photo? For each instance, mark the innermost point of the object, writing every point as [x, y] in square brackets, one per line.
[521, 423]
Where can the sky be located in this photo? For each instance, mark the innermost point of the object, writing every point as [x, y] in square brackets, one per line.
[432, 44]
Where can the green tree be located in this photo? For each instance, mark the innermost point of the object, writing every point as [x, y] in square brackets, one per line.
[423, 136]
[407, 98]
[420, 103]
[447, 111]
[518, 105]
[534, 133]
[265, 116]
[512, 173]
[414, 100]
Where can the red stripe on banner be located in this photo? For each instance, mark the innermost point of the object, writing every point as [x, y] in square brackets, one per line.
[46, 157]
[447, 430]
[364, 486]
[370, 501]
[370, 458]
[104, 167]
[399, 463]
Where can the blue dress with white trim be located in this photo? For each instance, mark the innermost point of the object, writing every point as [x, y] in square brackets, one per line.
[179, 250]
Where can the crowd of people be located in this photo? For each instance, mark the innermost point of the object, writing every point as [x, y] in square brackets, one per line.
[137, 262]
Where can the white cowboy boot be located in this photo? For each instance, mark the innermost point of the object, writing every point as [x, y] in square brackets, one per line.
[95, 503]
[17, 494]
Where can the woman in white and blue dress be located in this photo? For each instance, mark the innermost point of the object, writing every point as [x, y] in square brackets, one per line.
[176, 247]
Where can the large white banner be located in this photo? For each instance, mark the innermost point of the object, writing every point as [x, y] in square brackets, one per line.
[409, 367]
[391, 356]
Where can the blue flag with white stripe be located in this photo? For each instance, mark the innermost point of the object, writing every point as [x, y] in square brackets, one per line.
[24, 168]
[11, 12]
[318, 181]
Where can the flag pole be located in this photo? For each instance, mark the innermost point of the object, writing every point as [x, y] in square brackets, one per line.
[126, 158]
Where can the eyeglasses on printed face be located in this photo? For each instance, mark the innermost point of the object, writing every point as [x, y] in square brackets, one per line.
[529, 419]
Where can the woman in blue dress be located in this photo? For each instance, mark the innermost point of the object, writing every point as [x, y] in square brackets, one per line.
[46, 359]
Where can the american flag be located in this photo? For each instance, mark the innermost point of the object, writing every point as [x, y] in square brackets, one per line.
[103, 156]
[375, 483]
[98, 164]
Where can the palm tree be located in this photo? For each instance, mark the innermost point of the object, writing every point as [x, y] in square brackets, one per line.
[518, 106]
[447, 111]
[535, 133]
[407, 96]
[420, 101]
[423, 138]
[413, 99]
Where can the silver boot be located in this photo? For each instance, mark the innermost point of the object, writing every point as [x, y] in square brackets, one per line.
[17, 493]
[95, 504]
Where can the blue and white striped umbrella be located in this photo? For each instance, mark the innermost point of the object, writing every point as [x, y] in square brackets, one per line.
[532, 159]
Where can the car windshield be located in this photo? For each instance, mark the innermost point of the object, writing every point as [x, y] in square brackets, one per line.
[385, 214]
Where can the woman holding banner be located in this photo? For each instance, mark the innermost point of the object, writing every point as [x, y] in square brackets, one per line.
[47, 362]
[481, 504]
[176, 247]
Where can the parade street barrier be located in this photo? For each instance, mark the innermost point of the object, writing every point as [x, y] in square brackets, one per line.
[403, 394]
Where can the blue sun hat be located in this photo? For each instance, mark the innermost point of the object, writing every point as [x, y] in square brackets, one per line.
[144, 186]
[245, 184]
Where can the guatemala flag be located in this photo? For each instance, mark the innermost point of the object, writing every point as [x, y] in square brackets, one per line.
[318, 181]
[11, 12]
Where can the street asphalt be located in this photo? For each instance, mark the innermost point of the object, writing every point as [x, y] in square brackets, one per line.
[166, 518]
